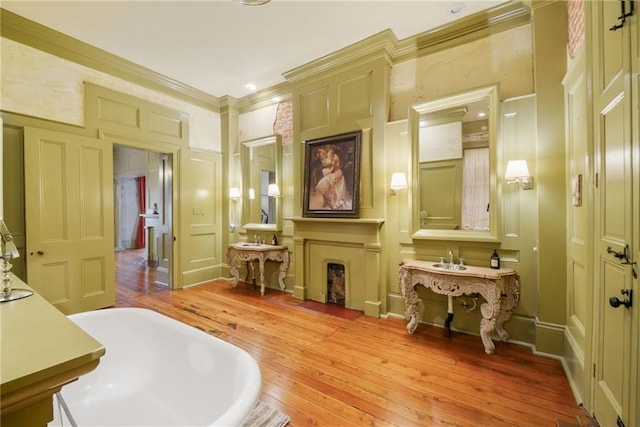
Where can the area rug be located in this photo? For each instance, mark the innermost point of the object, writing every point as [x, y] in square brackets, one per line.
[264, 415]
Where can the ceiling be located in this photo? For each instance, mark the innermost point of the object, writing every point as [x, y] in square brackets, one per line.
[218, 46]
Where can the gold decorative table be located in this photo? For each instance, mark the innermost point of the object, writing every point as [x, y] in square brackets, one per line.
[499, 287]
[248, 252]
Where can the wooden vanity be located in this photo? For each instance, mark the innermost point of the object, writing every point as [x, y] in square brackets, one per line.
[41, 352]
[499, 287]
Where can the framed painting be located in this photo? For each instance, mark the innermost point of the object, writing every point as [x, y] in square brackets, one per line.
[332, 176]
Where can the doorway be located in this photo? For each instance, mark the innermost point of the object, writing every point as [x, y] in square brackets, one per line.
[143, 213]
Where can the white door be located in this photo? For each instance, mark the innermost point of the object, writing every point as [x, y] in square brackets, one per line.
[69, 219]
[164, 237]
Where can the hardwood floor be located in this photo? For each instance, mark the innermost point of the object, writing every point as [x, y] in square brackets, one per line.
[326, 366]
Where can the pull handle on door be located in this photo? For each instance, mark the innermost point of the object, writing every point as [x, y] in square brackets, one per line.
[619, 255]
[623, 15]
[615, 302]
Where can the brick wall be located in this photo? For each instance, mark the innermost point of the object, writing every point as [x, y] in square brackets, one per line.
[576, 26]
[283, 125]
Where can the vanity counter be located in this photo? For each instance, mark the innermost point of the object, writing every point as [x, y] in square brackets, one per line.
[42, 350]
[470, 270]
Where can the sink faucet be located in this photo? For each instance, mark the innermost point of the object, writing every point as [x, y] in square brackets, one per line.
[451, 258]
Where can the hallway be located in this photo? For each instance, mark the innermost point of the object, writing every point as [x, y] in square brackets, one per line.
[133, 278]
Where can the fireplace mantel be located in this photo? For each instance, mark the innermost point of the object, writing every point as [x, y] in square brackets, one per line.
[355, 243]
[363, 221]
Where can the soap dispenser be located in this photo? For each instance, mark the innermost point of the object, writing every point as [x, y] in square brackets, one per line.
[495, 260]
[274, 240]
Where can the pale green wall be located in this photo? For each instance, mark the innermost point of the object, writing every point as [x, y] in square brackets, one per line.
[38, 84]
[505, 57]
[550, 39]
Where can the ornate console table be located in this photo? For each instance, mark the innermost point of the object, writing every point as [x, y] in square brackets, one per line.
[500, 289]
[247, 252]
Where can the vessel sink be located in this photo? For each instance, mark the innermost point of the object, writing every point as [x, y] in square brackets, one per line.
[450, 266]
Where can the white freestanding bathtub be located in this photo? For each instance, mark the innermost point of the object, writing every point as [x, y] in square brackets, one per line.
[158, 372]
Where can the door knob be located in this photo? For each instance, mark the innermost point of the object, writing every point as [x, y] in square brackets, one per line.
[615, 302]
[37, 252]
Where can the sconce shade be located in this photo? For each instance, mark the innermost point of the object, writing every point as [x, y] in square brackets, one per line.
[273, 190]
[518, 172]
[252, 194]
[398, 181]
[234, 193]
[517, 169]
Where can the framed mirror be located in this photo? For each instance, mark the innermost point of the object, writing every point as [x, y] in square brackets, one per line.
[454, 160]
[261, 162]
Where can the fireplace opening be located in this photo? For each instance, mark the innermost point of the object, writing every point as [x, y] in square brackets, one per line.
[335, 283]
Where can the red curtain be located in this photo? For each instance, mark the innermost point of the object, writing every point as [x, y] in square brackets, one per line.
[141, 183]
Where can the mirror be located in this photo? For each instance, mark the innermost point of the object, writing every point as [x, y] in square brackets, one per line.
[454, 148]
[261, 162]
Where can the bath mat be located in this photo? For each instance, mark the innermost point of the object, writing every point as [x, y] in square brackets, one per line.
[264, 415]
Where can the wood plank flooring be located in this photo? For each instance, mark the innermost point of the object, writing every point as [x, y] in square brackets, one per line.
[331, 367]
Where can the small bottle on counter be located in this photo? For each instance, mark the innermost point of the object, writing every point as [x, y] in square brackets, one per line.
[274, 240]
[495, 260]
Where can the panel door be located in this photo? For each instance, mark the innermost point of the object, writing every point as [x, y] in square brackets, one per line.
[69, 217]
[441, 194]
[613, 217]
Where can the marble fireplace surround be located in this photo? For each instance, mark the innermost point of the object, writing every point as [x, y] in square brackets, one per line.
[355, 243]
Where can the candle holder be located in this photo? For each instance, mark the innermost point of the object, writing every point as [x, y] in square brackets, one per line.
[9, 251]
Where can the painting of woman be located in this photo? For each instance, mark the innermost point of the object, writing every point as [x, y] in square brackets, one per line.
[331, 175]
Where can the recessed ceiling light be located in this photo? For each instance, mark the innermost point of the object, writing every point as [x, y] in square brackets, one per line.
[252, 87]
[456, 8]
[251, 2]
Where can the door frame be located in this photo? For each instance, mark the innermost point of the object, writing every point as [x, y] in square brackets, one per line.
[174, 151]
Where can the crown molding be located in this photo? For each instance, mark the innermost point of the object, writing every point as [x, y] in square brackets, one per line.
[37, 36]
[479, 25]
[269, 96]
[381, 44]
[482, 24]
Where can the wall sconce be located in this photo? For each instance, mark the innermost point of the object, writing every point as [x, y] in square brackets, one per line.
[252, 194]
[398, 182]
[234, 194]
[518, 172]
[273, 190]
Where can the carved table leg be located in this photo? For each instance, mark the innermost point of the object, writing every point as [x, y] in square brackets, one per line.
[487, 324]
[284, 265]
[508, 302]
[489, 310]
[233, 267]
[261, 275]
[410, 300]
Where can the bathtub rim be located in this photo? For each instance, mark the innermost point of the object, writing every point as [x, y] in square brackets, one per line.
[240, 409]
